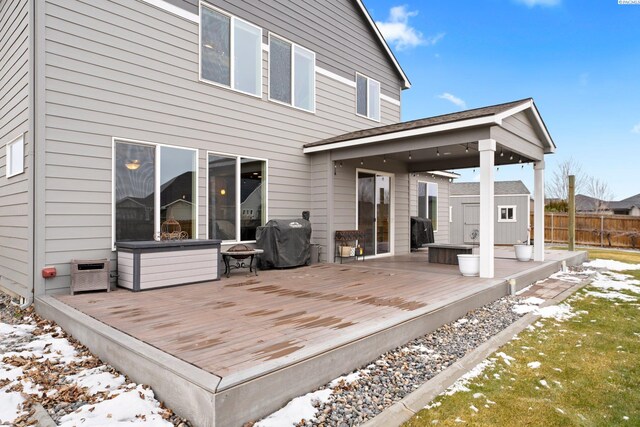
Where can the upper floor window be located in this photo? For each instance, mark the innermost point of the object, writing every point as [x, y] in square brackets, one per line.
[15, 157]
[291, 74]
[368, 97]
[428, 202]
[230, 51]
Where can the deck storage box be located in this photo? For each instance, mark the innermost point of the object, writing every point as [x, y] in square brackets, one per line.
[286, 243]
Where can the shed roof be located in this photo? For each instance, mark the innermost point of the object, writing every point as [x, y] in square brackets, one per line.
[501, 188]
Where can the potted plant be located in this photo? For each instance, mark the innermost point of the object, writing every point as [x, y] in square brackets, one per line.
[524, 250]
[469, 264]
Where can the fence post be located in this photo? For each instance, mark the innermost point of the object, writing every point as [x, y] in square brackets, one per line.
[572, 212]
[552, 230]
[601, 231]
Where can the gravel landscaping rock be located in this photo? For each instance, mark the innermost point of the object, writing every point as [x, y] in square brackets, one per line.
[399, 372]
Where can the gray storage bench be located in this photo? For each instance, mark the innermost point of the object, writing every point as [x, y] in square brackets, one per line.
[447, 253]
[151, 264]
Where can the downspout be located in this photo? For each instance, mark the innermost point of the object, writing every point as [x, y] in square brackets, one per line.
[32, 126]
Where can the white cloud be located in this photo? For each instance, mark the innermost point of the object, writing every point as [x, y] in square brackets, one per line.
[534, 3]
[636, 128]
[397, 31]
[453, 99]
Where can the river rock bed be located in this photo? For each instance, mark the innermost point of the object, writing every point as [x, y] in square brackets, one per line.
[369, 390]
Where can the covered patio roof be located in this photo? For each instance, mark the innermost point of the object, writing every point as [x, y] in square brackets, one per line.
[450, 141]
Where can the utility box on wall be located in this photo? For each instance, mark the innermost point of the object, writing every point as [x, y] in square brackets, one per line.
[90, 275]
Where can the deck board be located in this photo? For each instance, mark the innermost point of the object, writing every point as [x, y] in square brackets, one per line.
[234, 324]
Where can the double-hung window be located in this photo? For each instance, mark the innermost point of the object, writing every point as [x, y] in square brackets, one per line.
[368, 97]
[153, 184]
[507, 213]
[428, 202]
[237, 197]
[230, 51]
[292, 71]
[15, 157]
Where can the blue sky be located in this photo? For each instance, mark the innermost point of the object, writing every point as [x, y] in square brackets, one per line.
[578, 59]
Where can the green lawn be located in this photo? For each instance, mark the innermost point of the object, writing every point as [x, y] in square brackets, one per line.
[589, 373]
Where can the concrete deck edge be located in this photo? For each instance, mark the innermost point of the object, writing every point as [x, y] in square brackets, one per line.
[403, 410]
[189, 389]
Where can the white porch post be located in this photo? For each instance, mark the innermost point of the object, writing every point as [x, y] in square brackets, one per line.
[487, 148]
[538, 212]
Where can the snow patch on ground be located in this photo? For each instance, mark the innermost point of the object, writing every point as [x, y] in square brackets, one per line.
[611, 265]
[347, 379]
[612, 295]
[506, 358]
[558, 312]
[534, 365]
[463, 381]
[125, 404]
[135, 406]
[621, 282]
[299, 408]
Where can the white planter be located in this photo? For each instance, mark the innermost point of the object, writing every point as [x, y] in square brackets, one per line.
[523, 252]
[469, 264]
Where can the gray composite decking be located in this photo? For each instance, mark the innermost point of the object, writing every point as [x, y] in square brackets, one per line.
[269, 338]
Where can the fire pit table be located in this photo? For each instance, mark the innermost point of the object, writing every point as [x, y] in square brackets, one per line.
[239, 253]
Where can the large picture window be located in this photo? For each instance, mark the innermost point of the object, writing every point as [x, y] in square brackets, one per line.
[428, 202]
[153, 184]
[230, 51]
[367, 97]
[237, 197]
[291, 74]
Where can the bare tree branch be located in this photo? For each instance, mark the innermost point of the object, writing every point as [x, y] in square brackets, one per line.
[558, 185]
[600, 190]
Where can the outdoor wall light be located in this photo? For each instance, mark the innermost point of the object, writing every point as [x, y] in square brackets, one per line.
[384, 159]
[438, 152]
[133, 165]
[466, 150]
[361, 162]
[409, 155]
[501, 153]
[223, 192]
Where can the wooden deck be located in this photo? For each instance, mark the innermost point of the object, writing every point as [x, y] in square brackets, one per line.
[245, 327]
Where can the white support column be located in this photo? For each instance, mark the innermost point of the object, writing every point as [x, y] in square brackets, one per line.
[487, 149]
[538, 212]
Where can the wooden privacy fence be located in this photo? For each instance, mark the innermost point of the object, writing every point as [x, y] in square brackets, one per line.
[619, 231]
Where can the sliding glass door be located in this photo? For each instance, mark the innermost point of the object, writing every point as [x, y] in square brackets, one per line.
[374, 211]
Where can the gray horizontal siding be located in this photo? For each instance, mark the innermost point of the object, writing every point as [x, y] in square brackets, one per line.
[336, 30]
[14, 114]
[114, 70]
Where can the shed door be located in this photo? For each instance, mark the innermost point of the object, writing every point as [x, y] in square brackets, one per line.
[471, 221]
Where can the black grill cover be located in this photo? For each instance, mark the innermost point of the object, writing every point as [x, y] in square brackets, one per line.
[286, 243]
[421, 232]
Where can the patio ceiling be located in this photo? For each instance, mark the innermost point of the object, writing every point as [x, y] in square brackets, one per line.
[450, 141]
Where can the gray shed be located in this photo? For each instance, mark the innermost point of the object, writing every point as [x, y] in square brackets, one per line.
[512, 200]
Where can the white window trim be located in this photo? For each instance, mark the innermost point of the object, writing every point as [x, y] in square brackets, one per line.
[368, 116]
[238, 195]
[515, 218]
[9, 156]
[231, 51]
[435, 226]
[293, 69]
[157, 185]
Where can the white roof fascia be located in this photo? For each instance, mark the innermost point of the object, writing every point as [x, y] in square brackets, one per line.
[407, 83]
[488, 120]
[495, 195]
